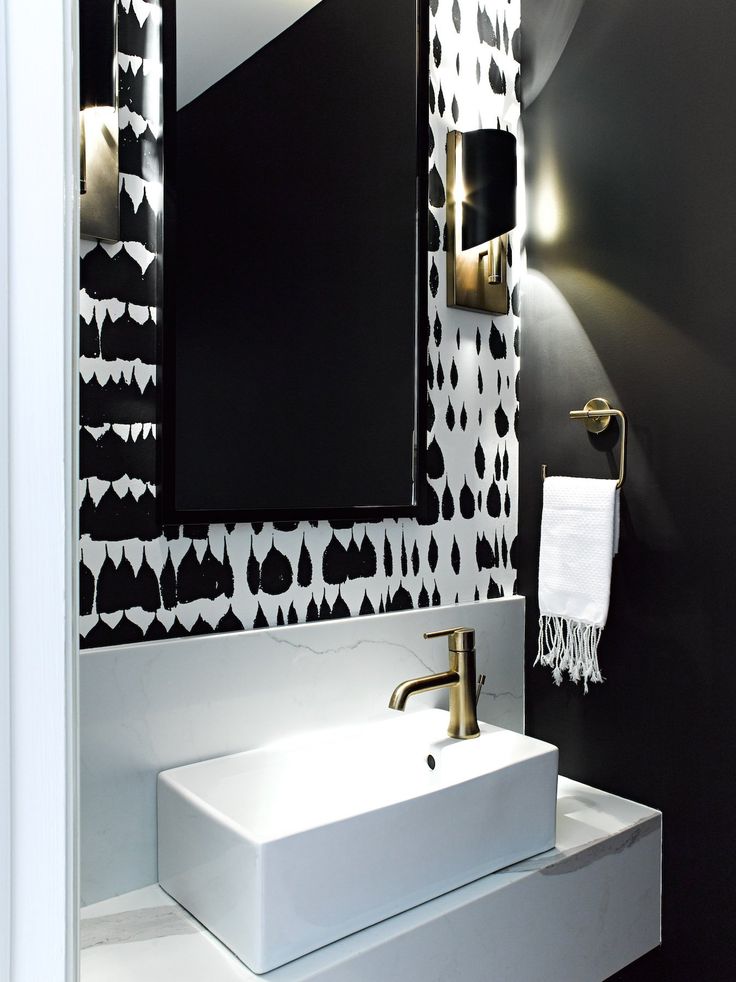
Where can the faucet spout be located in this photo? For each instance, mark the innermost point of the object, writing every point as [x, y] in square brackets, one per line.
[460, 680]
[424, 683]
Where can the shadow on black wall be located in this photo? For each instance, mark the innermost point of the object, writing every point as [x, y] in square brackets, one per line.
[632, 295]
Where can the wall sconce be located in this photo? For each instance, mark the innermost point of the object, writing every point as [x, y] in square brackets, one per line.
[98, 120]
[481, 210]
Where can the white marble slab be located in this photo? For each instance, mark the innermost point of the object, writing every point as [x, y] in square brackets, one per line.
[577, 913]
[148, 707]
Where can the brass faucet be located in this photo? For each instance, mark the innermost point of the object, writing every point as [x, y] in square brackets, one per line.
[460, 680]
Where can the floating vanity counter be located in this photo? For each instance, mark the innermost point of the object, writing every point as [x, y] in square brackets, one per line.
[576, 913]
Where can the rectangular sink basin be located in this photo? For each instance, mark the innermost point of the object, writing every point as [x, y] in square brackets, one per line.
[285, 848]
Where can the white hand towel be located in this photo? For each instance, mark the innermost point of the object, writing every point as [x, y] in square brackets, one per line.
[579, 540]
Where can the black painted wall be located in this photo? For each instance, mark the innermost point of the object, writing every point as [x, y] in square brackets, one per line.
[631, 294]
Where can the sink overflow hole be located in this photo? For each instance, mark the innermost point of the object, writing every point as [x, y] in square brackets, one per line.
[431, 763]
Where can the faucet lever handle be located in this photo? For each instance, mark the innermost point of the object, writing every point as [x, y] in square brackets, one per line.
[461, 638]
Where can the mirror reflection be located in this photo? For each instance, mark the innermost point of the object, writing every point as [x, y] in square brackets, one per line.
[294, 168]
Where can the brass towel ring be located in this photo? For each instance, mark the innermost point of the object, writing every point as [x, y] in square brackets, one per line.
[596, 414]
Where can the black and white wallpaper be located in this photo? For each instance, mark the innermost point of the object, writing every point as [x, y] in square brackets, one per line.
[139, 581]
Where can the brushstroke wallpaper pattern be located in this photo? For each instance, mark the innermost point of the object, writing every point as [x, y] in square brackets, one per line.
[141, 581]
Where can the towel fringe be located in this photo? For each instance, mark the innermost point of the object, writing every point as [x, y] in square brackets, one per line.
[571, 646]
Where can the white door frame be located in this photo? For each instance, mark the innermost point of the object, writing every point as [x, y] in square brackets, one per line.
[38, 262]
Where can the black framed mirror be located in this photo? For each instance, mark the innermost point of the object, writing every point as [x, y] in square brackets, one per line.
[295, 260]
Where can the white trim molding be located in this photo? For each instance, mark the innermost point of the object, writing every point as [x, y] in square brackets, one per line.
[37, 511]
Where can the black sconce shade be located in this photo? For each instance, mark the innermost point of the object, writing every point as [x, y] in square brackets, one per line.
[489, 179]
[97, 53]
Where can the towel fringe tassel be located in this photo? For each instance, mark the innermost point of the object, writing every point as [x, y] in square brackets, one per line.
[571, 646]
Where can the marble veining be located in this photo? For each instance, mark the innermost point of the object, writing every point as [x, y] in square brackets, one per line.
[130, 926]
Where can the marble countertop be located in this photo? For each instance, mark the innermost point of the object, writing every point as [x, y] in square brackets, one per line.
[144, 936]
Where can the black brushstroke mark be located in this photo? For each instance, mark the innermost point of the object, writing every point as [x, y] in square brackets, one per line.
[516, 342]
[200, 626]
[98, 636]
[117, 519]
[368, 561]
[480, 382]
[494, 591]
[441, 101]
[291, 615]
[440, 372]
[463, 418]
[437, 330]
[497, 343]
[198, 532]
[423, 598]
[324, 609]
[485, 28]
[493, 501]
[431, 97]
[168, 583]
[507, 505]
[226, 583]
[483, 553]
[502, 421]
[436, 50]
[430, 141]
[335, 562]
[404, 560]
[480, 460]
[253, 572]
[229, 622]
[515, 300]
[260, 618]
[433, 4]
[304, 566]
[434, 279]
[257, 527]
[430, 371]
[456, 15]
[156, 630]
[138, 225]
[89, 338]
[353, 559]
[430, 415]
[276, 572]
[279, 618]
[126, 632]
[366, 607]
[432, 507]
[457, 339]
[505, 464]
[435, 461]
[497, 78]
[504, 550]
[436, 599]
[514, 553]
[286, 526]
[146, 593]
[516, 423]
[433, 232]
[467, 501]
[450, 416]
[415, 560]
[340, 609]
[312, 611]
[455, 556]
[454, 109]
[86, 588]
[505, 35]
[453, 374]
[448, 504]
[433, 554]
[401, 599]
[189, 577]
[497, 465]
[388, 559]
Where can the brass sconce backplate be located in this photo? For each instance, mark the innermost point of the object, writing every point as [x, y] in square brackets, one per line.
[468, 271]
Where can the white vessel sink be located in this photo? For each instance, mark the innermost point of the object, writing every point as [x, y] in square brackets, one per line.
[283, 849]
